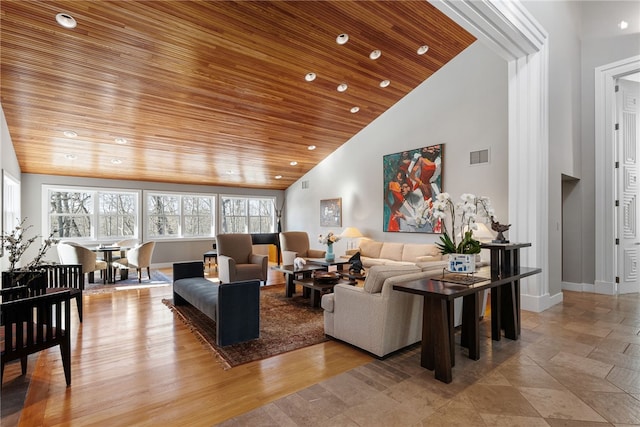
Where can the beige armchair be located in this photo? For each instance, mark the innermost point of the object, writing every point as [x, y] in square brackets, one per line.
[296, 244]
[138, 257]
[236, 260]
[73, 253]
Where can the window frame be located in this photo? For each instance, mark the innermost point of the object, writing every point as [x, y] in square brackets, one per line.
[95, 215]
[247, 215]
[181, 221]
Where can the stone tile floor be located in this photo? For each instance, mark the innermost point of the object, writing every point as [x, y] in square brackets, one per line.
[576, 364]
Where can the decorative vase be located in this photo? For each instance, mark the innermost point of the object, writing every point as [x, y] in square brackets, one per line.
[329, 256]
[462, 263]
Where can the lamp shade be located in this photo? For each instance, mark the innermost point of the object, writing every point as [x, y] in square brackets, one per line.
[351, 232]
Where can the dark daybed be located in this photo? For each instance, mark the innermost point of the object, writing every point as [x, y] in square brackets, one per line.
[235, 307]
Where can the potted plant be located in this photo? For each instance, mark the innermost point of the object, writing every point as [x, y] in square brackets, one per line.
[458, 223]
[15, 245]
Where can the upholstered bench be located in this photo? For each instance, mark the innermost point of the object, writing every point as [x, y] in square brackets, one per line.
[235, 306]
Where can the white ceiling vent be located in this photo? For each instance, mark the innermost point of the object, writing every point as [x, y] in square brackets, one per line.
[478, 157]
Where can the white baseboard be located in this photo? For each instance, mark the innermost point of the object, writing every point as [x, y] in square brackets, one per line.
[578, 287]
[540, 303]
[607, 288]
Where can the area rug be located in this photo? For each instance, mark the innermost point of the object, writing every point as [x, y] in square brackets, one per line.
[158, 279]
[286, 324]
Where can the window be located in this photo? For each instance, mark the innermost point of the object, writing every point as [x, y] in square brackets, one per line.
[247, 214]
[180, 215]
[92, 214]
[11, 202]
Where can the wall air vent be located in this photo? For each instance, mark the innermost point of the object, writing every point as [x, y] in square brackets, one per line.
[478, 157]
[305, 185]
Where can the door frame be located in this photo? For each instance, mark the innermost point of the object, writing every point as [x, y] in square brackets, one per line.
[606, 156]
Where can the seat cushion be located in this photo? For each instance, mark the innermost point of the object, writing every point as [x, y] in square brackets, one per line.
[200, 293]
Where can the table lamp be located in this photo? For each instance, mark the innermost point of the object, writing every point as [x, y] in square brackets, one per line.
[351, 233]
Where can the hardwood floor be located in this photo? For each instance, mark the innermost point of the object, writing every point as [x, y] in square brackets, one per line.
[576, 364]
[134, 363]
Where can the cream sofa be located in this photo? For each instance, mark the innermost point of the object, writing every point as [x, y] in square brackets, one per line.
[426, 256]
[374, 317]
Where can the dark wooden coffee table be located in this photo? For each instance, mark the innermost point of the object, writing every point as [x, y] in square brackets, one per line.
[316, 288]
[293, 273]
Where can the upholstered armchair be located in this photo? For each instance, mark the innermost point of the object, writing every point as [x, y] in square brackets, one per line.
[139, 257]
[73, 253]
[296, 244]
[236, 260]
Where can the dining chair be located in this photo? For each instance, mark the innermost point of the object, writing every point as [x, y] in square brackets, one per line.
[138, 257]
[30, 325]
[73, 253]
[66, 277]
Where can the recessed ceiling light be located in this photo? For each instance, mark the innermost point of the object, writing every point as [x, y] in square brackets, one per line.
[278, 176]
[70, 133]
[70, 156]
[375, 54]
[423, 49]
[120, 140]
[293, 163]
[311, 147]
[342, 87]
[385, 83]
[229, 172]
[66, 20]
[355, 109]
[623, 25]
[342, 38]
[116, 161]
[310, 77]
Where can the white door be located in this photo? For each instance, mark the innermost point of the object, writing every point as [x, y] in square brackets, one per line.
[628, 187]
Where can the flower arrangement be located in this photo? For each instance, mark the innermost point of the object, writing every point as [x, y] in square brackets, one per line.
[462, 219]
[329, 239]
[16, 244]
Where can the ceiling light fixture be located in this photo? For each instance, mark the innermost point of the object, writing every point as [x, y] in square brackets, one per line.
[354, 109]
[311, 147]
[342, 38]
[342, 87]
[310, 77]
[116, 161]
[70, 156]
[423, 49]
[623, 25]
[70, 133]
[385, 83]
[375, 54]
[293, 163]
[120, 140]
[278, 176]
[66, 20]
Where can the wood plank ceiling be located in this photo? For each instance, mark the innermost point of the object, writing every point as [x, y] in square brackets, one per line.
[207, 92]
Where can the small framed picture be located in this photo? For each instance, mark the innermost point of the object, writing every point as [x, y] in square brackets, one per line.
[331, 212]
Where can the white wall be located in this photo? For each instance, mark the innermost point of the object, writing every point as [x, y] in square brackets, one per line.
[9, 163]
[463, 106]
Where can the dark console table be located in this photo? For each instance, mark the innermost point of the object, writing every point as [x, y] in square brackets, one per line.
[437, 321]
[267, 239]
[505, 260]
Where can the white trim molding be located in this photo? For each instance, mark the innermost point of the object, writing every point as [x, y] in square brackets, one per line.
[513, 33]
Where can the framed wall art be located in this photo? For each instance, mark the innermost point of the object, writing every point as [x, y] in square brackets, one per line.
[412, 180]
[331, 212]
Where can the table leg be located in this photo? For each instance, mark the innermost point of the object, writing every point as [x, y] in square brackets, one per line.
[442, 347]
[496, 313]
[108, 257]
[427, 351]
[510, 311]
[470, 336]
[290, 287]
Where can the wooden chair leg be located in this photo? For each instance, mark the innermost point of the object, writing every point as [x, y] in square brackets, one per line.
[149, 273]
[139, 275]
[23, 364]
[79, 304]
[92, 277]
[65, 353]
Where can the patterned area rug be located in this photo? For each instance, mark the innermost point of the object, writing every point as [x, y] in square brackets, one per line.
[157, 279]
[285, 324]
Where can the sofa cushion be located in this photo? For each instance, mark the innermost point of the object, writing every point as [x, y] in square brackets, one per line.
[379, 273]
[370, 248]
[392, 251]
[412, 251]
